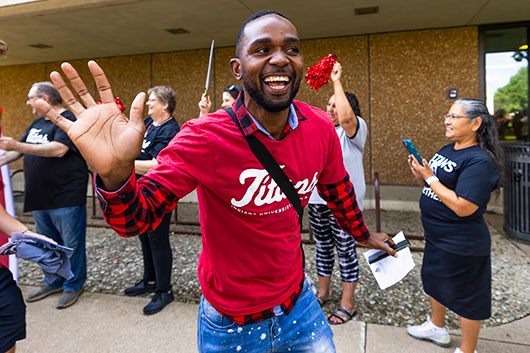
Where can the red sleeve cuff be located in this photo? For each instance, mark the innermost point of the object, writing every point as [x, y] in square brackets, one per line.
[118, 197]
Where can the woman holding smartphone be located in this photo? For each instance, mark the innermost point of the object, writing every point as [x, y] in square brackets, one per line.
[458, 180]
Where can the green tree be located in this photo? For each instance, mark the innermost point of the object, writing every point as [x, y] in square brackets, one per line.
[513, 96]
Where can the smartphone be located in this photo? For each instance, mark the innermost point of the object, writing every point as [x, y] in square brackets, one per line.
[412, 150]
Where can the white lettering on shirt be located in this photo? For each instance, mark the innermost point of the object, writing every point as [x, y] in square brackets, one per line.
[429, 193]
[34, 136]
[439, 161]
[145, 144]
[263, 190]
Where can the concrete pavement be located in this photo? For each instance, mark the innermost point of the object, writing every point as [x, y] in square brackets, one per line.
[111, 323]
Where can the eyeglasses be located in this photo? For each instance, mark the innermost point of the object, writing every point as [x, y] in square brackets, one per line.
[453, 117]
[33, 98]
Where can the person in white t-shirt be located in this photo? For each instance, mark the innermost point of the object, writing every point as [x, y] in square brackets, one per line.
[343, 109]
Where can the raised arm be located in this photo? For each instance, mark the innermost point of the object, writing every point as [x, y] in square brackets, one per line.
[105, 137]
[345, 114]
[204, 105]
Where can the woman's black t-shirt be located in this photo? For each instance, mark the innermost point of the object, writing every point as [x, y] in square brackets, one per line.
[157, 137]
[472, 174]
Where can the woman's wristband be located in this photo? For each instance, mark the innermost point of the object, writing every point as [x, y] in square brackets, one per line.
[431, 180]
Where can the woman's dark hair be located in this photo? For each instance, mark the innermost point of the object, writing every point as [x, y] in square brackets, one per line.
[487, 137]
[233, 90]
[354, 103]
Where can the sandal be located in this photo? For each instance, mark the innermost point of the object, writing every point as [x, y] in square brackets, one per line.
[342, 314]
[321, 300]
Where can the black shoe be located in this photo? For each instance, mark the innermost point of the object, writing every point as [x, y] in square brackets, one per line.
[140, 287]
[159, 302]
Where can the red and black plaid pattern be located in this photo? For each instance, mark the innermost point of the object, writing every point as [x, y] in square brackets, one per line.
[131, 212]
[248, 125]
[342, 201]
[287, 306]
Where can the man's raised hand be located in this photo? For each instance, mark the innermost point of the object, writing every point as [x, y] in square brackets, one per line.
[105, 137]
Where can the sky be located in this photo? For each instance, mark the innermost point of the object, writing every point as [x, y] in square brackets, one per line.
[500, 67]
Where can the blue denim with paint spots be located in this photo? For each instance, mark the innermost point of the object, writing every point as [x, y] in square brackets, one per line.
[305, 329]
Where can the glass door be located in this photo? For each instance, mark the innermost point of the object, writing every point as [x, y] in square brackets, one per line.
[506, 74]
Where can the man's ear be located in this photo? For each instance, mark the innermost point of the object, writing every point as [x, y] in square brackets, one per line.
[46, 99]
[235, 66]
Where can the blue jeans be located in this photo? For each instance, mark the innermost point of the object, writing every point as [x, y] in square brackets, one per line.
[305, 329]
[67, 226]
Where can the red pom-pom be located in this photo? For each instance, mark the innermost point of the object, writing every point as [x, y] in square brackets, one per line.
[119, 104]
[318, 75]
[1, 110]
[121, 107]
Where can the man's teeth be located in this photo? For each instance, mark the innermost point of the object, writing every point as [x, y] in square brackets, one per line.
[276, 86]
[277, 82]
[276, 79]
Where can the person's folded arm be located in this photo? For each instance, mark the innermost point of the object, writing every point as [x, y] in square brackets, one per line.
[50, 149]
[9, 157]
[143, 166]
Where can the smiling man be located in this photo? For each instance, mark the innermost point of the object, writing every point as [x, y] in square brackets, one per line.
[255, 296]
[55, 186]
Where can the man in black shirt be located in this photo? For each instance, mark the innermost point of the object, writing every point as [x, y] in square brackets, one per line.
[56, 178]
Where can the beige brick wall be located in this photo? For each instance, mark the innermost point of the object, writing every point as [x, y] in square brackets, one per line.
[400, 80]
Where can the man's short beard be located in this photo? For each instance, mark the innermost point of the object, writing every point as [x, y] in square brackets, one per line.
[269, 106]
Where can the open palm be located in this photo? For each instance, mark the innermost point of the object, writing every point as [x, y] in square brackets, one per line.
[105, 137]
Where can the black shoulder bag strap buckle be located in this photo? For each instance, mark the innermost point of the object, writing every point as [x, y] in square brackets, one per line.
[275, 171]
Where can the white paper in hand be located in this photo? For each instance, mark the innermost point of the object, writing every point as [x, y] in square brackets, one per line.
[390, 270]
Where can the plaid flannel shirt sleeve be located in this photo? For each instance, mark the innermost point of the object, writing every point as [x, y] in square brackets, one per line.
[342, 201]
[137, 207]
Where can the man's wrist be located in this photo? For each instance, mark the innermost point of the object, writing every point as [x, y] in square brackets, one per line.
[116, 180]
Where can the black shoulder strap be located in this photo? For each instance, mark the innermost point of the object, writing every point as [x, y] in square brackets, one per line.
[275, 171]
[267, 160]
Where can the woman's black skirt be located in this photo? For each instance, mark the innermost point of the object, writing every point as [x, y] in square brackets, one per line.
[460, 283]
